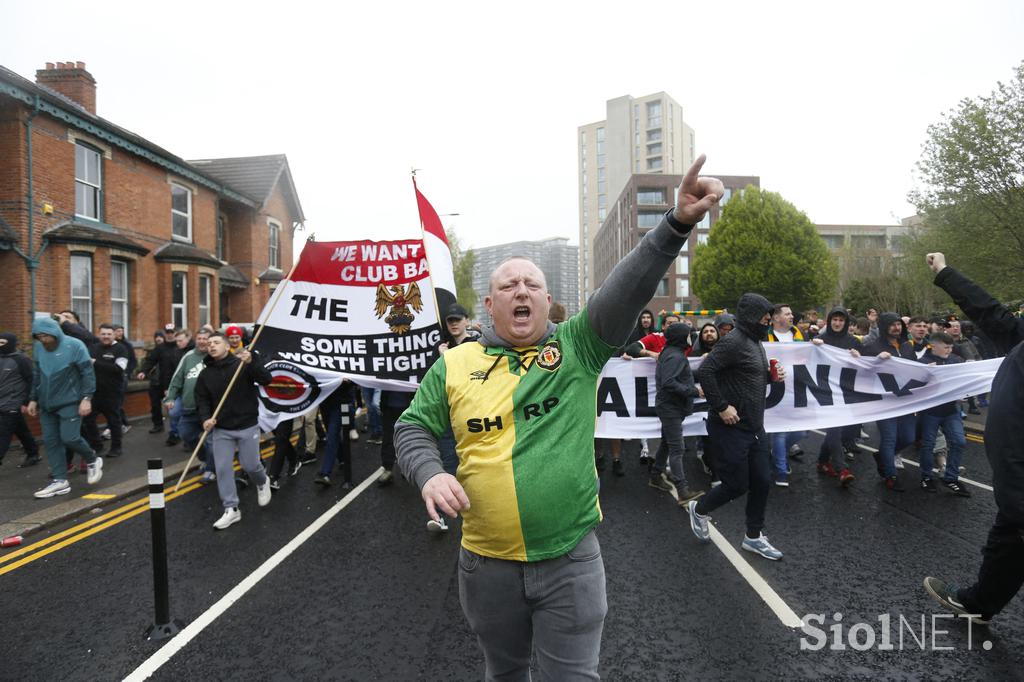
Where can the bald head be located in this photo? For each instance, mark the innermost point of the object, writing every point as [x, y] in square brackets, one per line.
[524, 262]
[519, 302]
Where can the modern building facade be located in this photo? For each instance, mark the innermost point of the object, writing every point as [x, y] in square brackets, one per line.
[639, 135]
[864, 250]
[555, 257]
[100, 220]
[639, 208]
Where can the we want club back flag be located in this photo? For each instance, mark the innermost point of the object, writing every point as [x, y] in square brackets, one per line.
[366, 311]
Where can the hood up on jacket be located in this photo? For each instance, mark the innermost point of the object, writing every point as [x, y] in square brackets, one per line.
[750, 310]
[885, 320]
[12, 343]
[699, 348]
[678, 335]
[725, 318]
[827, 331]
[46, 325]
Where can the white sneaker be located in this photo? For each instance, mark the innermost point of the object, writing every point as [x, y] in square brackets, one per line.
[263, 493]
[353, 434]
[899, 462]
[57, 487]
[125, 428]
[208, 477]
[230, 517]
[95, 471]
[437, 526]
[105, 435]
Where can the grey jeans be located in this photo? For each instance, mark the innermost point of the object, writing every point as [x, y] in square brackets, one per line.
[554, 608]
[247, 442]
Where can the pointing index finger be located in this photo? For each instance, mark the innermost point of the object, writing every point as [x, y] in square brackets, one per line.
[690, 179]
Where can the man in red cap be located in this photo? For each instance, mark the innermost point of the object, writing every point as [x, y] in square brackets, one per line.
[234, 334]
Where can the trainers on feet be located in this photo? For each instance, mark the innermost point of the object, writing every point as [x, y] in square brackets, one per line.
[761, 546]
[208, 477]
[684, 495]
[275, 484]
[157, 429]
[295, 468]
[956, 488]
[263, 493]
[353, 434]
[893, 484]
[30, 461]
[698, 522]
[231, 516]
[374, 440]
[57, 487]
[846, 477]
[125, 428]
[827, 469]
[796, 452]
[659, 482]
[782, 481]
[105, 435]
[322, 479]
[115, 452]
[899, 462]
[439, 526]
[928, 485]
[617, 467]
[946, 595]
[308, 458]
[387, 478]
[95, 471]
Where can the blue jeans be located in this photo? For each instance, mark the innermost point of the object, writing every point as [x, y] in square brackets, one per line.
[338, 420]
[371, 398]
[190, 429]
[174, 416]
[781, 443]
[953, 427]
[895, 434]
[553, 608]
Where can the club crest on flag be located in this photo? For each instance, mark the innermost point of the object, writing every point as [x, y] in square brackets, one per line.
[403, 302]
[550, 356]
[292, 390]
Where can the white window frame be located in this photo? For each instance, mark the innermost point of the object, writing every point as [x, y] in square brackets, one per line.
[84, 314]
[97, 188]
[180, 308]
[122, 303]
[205, 288]
[274, 244]
[188, 215]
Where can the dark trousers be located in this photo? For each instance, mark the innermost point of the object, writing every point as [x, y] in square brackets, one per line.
[13, 424]
[1002, 569]
[851, 433]
[283, 448]
[110, 408]
[120, 406]
[156, 406]
[388, 417]
[337, 416]
[670, 448]
[743, 464]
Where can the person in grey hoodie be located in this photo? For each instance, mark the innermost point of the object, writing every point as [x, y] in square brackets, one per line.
[673, 403]
[63, 384]
[15, 384]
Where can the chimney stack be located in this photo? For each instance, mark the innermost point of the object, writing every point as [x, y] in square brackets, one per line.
[71, 80]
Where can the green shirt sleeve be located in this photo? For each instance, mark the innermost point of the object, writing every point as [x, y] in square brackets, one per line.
[429, 407]
[591, 351]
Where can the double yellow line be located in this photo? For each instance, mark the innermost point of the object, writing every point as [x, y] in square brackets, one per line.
[65, 538]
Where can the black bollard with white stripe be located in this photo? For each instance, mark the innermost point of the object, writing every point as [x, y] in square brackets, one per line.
[345, 451]
[164, 627]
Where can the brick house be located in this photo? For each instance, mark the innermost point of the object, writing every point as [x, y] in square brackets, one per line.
[98, 219]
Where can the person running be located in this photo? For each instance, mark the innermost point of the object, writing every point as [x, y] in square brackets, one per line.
[521, 404]
[63, 383]
[733, 377]
[831, 460]
[15, 386]
[236, 426]
[673, 403]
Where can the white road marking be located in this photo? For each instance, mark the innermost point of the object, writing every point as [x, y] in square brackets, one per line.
[913, 463]
[763, 589]
[178, 642]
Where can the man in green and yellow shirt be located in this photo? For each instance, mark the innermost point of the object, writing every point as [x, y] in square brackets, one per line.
[522, 404]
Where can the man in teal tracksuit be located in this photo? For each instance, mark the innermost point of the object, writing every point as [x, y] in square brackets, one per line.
[63, 384]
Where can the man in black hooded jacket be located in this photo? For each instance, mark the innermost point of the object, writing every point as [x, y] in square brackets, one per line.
[733, 377]
[837, 334]
[673, 403]
[1002, 568]
[15, 385]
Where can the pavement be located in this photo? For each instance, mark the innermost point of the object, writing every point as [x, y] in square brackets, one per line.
[22, 514]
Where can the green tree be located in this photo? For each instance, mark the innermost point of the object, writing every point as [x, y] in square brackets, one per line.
[971, 198]
[462, 264]
[763, 244]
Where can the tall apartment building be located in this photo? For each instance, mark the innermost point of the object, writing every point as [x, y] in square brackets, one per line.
[639, 208]
[865, 250]
[555, 257]
[639, 135]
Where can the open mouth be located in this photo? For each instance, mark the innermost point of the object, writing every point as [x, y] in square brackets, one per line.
[521, 313]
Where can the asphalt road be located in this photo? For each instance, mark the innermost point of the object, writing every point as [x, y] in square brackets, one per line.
[372, 596]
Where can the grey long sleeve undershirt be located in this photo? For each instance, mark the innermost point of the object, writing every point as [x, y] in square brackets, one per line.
[612, 312]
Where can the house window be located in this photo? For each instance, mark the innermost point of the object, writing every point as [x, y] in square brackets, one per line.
[650, 197]
[654, 149]
[702, 238]
[654, 135]
[119, 293]
[654, 114]
[654, 164]
[88, 182]
[81, 287]
[220, 237]
[181, 212]
[868, 241]
[683, 266]
[204, 300]
[662, 288]
[647, 219]
[274, 259]
[683, 288]
[179, 299]
[726, 196]
[834, 241]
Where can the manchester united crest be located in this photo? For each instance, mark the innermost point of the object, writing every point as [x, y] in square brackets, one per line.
[550, 356]
[403, 302]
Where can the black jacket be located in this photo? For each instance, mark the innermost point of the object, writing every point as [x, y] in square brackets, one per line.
[1003, 444]
[898, 345]
[109, 375]
[161, 362]
[15, 376]
[676, 391]
[843, 339]
[945, 409]
[699, 348]
[241, 410]
[736, 371]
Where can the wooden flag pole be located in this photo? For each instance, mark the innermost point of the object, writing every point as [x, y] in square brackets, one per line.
[238, 370]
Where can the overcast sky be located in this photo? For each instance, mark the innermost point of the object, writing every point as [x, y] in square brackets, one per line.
[828, 104]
